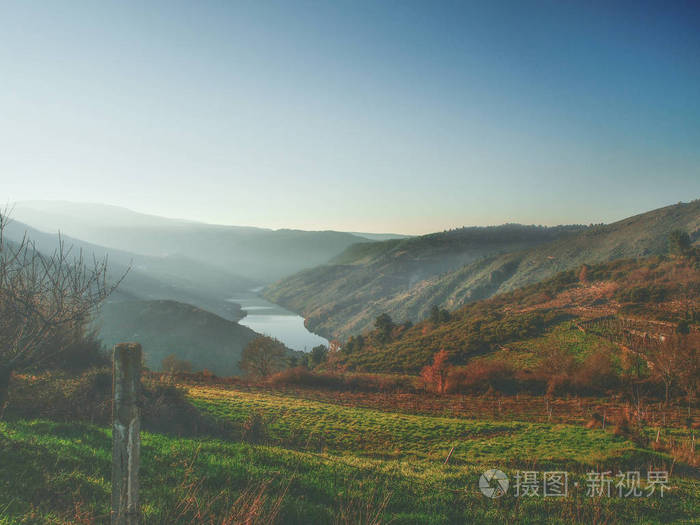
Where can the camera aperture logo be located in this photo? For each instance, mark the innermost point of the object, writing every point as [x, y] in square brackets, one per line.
[493, 483]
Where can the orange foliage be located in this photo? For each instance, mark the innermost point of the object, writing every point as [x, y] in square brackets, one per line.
[435, 375]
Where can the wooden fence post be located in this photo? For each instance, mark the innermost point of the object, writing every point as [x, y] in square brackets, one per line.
[126, 438]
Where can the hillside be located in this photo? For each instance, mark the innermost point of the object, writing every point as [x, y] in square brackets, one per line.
[343, 296]
[579, 312]
[169, 327]
[406, 278]
[257, 254]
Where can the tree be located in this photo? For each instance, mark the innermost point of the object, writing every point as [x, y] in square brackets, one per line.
[435, 314]
[679, 242]
[438, 315]
[354, 344]
[263, 356]
[173, 365]
[689, 356]
[675, 360]
[46, 302]
[445, 316]
[683, 327]
[318, 355]
[666, 360]
[384, 326]
[435, 375]
[583, 273]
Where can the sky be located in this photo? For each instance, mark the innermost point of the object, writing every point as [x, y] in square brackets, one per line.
[378, 116]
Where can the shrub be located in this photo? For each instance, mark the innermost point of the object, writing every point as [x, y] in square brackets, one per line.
[483, 375]
[256, 428]
[642, 294]
[435, 374]
[166, 409]
[558, 383]
[679, 242]
[683, 327]
[59, 396]
[595, 375]
[80, 353]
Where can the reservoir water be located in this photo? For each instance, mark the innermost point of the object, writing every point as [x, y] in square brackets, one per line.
[272, 320]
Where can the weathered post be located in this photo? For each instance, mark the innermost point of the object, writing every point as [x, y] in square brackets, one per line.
[126, 439]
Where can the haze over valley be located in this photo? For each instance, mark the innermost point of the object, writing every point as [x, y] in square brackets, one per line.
[179, 276]
[349, 262]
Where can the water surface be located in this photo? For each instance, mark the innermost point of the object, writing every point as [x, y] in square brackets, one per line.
[272, 320]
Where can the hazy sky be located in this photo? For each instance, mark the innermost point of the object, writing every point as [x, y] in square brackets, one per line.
[377, 116]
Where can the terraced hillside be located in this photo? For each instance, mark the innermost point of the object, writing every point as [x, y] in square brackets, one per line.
[594, 309]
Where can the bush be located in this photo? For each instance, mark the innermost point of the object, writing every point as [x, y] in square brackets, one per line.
[60, 396]
[595, 375]
[562, 374]
[166, 409]
[642, 294]
[435, 374]
[481, 376]
[78, 353]
[559, 374]
[255, 428]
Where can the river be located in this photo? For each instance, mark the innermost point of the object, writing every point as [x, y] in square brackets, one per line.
[272, 320]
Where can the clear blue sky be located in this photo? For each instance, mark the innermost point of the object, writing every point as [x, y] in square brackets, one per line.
[377, 116]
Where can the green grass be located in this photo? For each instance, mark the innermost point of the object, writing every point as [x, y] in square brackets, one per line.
[341, 430]
[324, 460]
[530, 353]
[46, 467]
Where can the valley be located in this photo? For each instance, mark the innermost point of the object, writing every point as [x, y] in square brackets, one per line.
[569, 349]
[349, 263]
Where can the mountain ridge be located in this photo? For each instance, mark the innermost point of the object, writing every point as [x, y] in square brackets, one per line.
[577, 310]
[258, 254]
[340, 298]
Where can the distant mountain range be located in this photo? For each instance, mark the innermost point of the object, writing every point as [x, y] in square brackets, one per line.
[180, 275]
[405, 278]
[258, 255]
[147, 277]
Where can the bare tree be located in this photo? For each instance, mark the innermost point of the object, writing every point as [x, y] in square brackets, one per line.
[43, 300]
[171, 364]
[668, 359]
[263, 356]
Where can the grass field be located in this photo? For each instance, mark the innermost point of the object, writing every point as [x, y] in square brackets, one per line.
[342, 430]
[321, 462]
